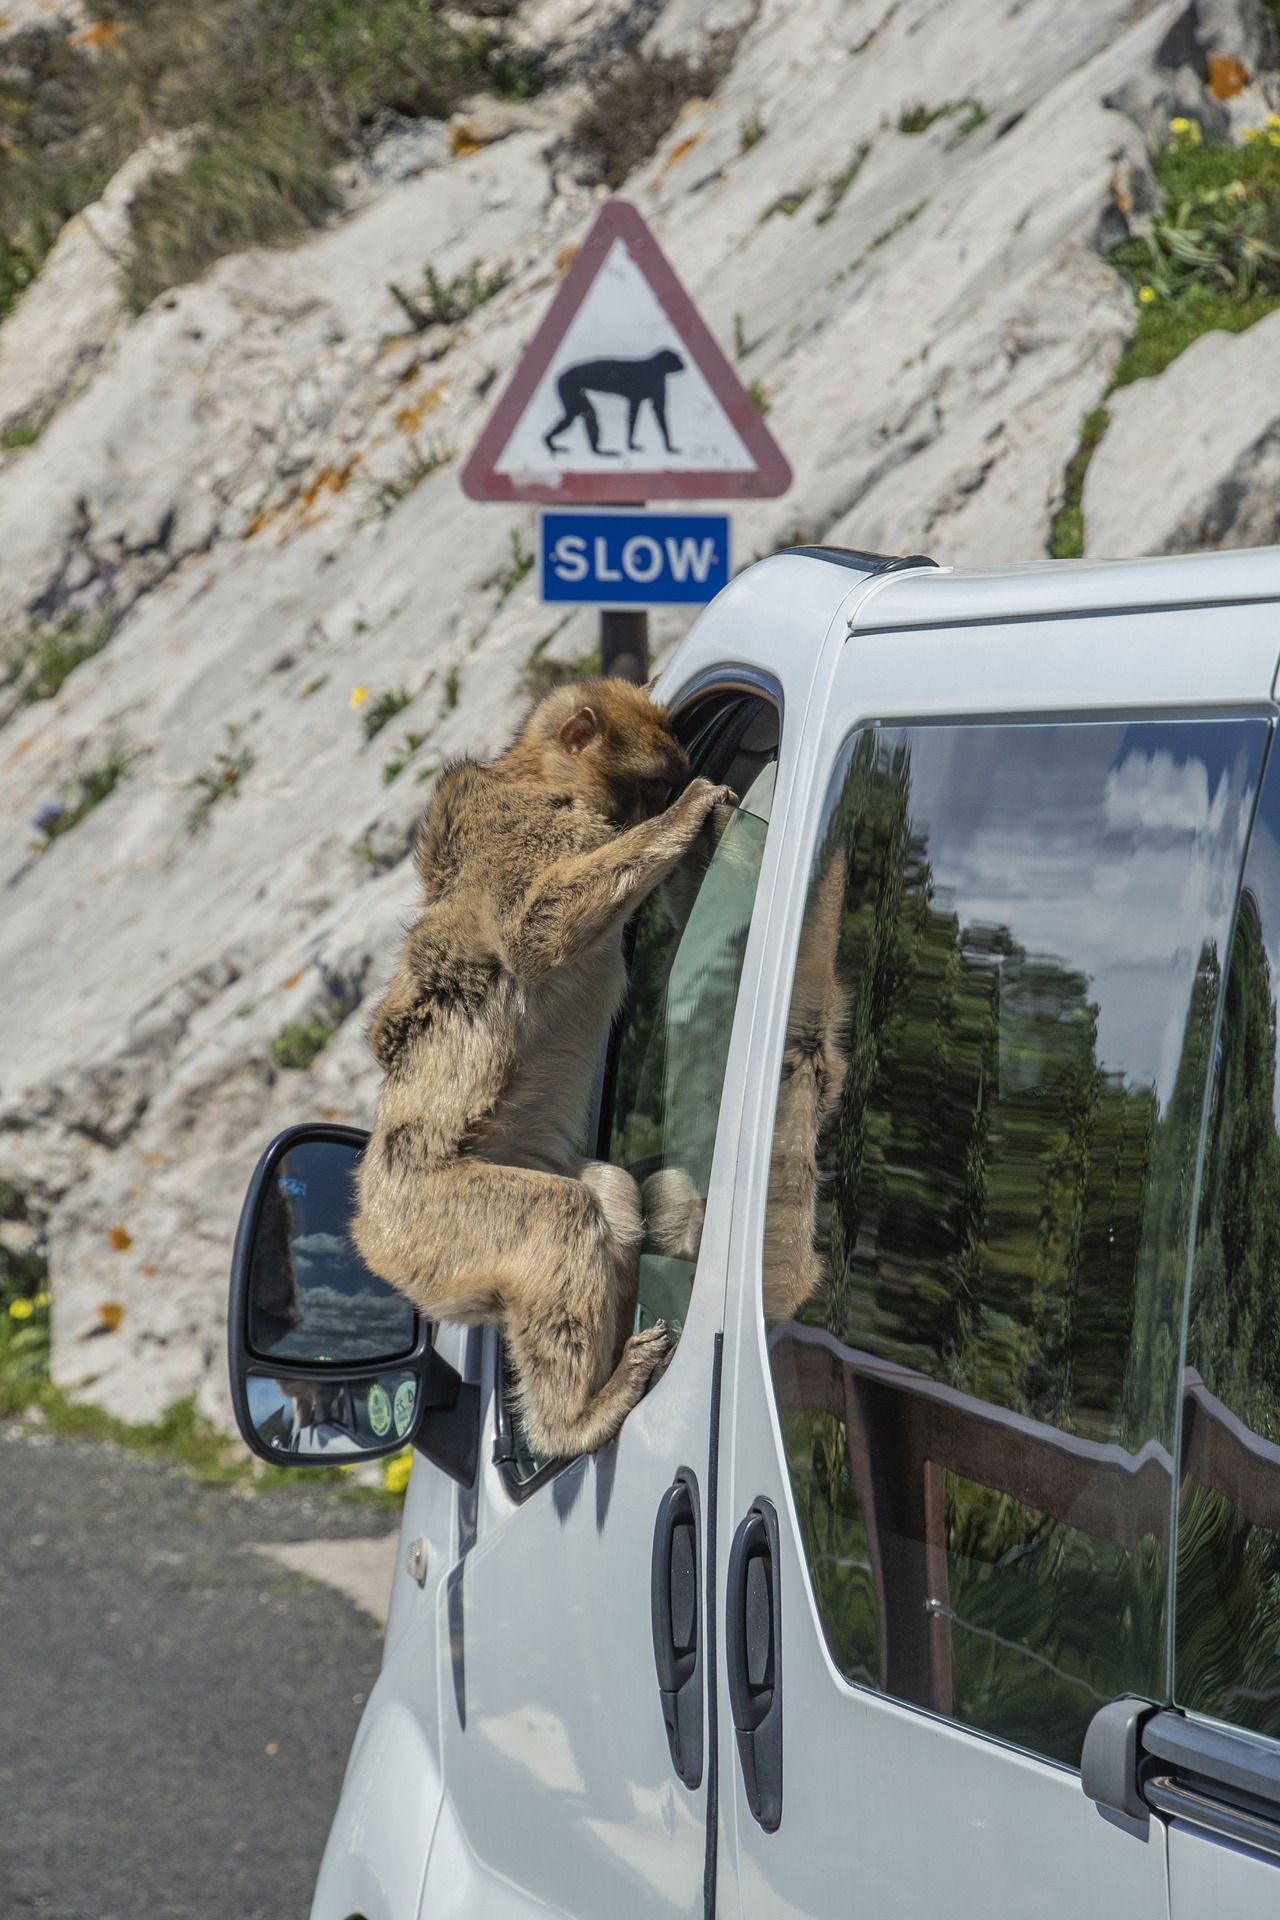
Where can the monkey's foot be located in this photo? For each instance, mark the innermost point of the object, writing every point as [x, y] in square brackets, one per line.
[644, 1354]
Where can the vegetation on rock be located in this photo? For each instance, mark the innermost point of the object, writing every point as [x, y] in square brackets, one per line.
[279, 89]
[88, 787]
[1209, 260]
[634, 103]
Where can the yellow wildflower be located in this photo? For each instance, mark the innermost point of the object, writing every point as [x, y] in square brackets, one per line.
[395, 1475]
[20, 1309]
[1273, 119]
[1146, 295]
[1273, 137]
[1179, 125]
[358, 698]
[1251, 136]
[42, 1300]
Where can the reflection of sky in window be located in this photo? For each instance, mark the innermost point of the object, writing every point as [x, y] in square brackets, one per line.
[1111, 849]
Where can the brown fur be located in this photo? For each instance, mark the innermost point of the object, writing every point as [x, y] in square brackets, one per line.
[473, 1198]
[813, 1070]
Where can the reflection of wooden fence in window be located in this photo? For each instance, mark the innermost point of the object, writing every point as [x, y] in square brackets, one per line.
[904, 1432]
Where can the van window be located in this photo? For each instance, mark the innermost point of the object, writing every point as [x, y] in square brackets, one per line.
[688, 943]
[1227, 1604]
[999, 1040]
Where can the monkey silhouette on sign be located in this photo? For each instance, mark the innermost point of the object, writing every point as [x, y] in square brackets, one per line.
[635, 380]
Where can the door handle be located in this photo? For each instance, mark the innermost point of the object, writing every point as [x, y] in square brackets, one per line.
[676, 1610]
[753, 1633]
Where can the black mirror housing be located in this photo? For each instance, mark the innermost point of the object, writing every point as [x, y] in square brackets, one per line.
[328, 1364]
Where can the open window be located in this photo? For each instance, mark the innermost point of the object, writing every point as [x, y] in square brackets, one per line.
[663, 1073]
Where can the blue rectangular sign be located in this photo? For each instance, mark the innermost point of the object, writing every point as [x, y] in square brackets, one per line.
[633, 559]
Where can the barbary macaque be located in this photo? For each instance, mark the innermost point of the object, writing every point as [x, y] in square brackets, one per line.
[813, 1070]
[474, 1198]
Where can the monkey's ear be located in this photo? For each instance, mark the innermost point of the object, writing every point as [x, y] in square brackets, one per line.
[579, 730]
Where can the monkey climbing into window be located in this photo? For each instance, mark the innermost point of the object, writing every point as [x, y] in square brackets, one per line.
[474, 1198]
[635, 380]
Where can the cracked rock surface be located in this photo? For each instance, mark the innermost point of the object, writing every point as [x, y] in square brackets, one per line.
[257, 479]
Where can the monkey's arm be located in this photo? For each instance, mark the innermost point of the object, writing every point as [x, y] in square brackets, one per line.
[578, 899]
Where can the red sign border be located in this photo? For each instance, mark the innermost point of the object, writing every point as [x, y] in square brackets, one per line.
[619, 220]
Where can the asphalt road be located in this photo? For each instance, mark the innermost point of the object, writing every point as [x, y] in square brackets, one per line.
[175, 1710]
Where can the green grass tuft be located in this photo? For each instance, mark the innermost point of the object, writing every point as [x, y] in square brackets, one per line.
[919, 118]
[840, 183]
[787, 203]
[385, 495]
[89, 786]
[1066, 535]
[380, 712]
[244, 186]
[521, 566]
[40, 660]
[299, 1042]
[393, 768]
[219, 779]
[1212, 256]
[445, 303]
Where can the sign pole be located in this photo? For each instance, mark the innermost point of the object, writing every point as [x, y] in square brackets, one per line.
[624, 644]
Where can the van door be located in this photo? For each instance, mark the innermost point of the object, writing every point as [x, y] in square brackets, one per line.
[952, 1398]
[577, 1758]
[1213, 1765]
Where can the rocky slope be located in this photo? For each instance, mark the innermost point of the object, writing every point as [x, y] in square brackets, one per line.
[253, 485]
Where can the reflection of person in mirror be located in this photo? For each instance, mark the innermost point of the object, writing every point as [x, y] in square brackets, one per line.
[319, 1416]
[273, 1288]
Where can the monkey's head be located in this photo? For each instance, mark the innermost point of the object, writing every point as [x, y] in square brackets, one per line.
[607, 744]
[668, 362]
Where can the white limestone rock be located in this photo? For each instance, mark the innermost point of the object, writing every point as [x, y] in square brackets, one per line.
[1191, 458]
[56, 334]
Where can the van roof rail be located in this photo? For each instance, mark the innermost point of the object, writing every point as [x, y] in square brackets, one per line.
[863, 562]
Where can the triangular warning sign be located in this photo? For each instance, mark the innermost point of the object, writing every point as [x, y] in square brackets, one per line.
[623, 395]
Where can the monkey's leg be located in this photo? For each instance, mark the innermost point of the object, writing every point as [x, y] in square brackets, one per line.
[633, 414]
[660, 410]
[552, 1260]
[549, 439]
[591, 421]
[580, 899]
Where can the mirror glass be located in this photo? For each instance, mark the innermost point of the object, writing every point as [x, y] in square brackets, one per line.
[311, 1297]
[340, 1419]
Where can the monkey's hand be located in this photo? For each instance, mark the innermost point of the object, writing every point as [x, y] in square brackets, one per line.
[695, 808]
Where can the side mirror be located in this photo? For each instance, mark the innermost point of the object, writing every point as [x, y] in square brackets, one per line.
[328, 1363]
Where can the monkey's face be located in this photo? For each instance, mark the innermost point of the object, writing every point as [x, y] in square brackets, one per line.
[623, 751]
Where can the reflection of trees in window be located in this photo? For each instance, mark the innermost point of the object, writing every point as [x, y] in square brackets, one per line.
[1003, 1213]
[986, 1178]
[1228, 1583]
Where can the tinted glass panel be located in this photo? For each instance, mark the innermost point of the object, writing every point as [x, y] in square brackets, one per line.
[1227, 1628]
[311, 1297]
[690, 939]
[999, 1039]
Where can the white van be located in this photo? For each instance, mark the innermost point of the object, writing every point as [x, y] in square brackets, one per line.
[958, 1591]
